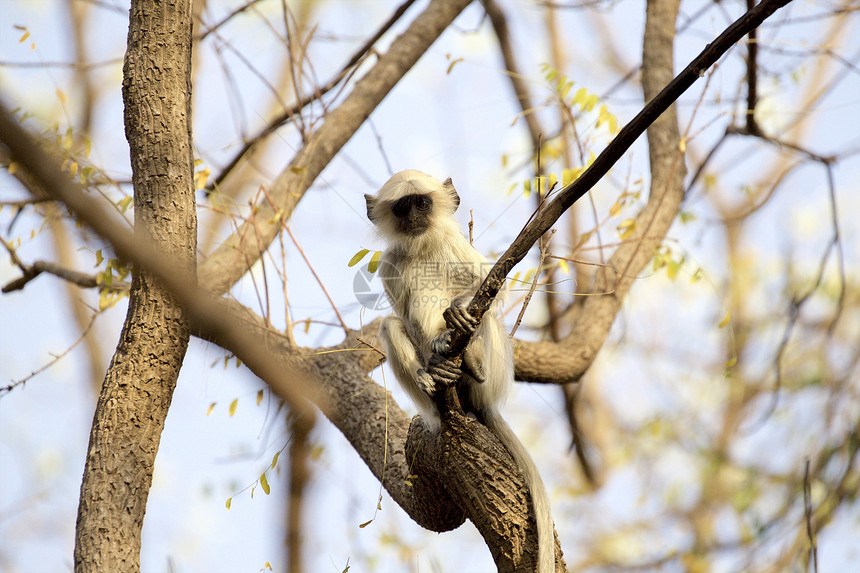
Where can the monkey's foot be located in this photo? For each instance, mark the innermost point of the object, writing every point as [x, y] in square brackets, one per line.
[426, 382]
[439, 374]
[459, 319]
[442, 343]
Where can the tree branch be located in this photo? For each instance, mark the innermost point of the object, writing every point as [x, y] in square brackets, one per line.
[572, 365]
[229, 262]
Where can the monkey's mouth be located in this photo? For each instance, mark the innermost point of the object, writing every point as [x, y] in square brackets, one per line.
[412, 227]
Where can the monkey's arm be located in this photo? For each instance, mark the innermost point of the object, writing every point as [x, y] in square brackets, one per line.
[417, 381]
[457, 318]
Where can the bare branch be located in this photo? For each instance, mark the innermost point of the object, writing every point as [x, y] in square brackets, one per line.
[293, 110]
[574, 366]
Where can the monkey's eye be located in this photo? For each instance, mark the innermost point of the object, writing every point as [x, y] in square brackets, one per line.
[424, 203]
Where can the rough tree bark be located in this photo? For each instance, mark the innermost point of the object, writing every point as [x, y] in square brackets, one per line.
[139, 383]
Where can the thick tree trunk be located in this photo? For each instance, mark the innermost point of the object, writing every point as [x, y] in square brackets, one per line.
[139, 383]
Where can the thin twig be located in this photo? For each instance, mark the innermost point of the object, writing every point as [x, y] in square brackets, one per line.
[6, 389]
[348, 69]
[544, 246]
[807, 510]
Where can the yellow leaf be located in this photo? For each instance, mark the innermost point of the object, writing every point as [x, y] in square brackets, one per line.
[626, 228]
[564, 87]
[682, 145]
[583, 238]
[601, 116]
[307, 326]
[579, 97]
[99, 257]
[232, 409]
[562, 264]
[357, 257]
[696, 276]
[201, 178]
[24, 37]
[210, 408]
[569, 175]
[267, 565]
[365, 524]
[259, 397]
[228, 503]
[264, 483]
[672, 269]
[725, 319]
[275, 460]
[613, 124]
[62, 97]
[616, 208]
[73, 168]
[374, 262]
[124, 203]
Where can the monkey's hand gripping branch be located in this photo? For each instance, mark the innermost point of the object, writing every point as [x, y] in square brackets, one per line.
[445, 366]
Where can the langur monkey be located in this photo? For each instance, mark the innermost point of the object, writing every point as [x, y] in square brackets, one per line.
[430, 272]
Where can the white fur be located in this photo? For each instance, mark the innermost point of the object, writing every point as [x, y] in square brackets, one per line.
[423, 275]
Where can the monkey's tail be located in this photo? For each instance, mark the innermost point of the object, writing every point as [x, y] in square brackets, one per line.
[537, 489]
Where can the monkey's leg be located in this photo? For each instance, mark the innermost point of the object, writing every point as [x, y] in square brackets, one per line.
[403, 359]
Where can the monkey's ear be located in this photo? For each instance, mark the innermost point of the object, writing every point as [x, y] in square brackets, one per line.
[370, 200]
[449, 186]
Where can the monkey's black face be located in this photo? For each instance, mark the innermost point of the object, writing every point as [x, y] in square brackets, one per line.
[413, 213]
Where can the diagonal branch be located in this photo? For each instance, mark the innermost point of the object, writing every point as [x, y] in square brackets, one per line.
[229, 262]
[602, 164]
